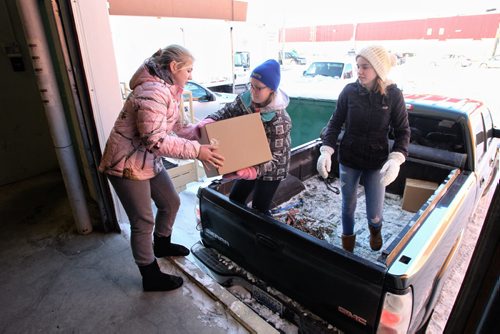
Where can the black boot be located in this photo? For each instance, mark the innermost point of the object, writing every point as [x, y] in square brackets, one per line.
[155, 280]
[163, 247]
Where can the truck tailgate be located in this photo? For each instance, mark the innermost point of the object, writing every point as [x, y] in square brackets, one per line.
[319, 276]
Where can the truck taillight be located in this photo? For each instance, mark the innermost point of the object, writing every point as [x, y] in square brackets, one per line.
[396, 313]
[197, 216]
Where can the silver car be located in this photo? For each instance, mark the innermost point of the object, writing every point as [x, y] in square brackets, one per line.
[337, 69]
[204, 101]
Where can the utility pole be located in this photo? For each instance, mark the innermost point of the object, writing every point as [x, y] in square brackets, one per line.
[497, 37]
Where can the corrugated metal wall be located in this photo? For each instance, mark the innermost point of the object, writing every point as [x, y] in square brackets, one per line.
[456, 27]
[339, 32]
[395, 30]
[302, 34]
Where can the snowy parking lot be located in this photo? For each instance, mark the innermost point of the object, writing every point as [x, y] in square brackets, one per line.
[413, 77]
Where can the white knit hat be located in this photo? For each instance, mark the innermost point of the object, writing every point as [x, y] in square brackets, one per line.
[379, 58]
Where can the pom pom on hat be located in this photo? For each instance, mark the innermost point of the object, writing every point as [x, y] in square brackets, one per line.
[268, 73]
[379, 58]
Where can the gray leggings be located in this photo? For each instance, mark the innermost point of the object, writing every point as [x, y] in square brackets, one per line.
[135, 197]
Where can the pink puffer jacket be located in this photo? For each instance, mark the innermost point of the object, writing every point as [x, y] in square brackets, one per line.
[143, 132]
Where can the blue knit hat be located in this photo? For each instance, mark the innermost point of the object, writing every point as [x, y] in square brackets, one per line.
[268, 73]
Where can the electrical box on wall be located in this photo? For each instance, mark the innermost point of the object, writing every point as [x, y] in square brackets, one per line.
[16, 57]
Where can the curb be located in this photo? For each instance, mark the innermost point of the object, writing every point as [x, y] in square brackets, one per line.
[238, 310]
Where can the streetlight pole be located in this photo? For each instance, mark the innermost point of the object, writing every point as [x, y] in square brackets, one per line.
[497, 36]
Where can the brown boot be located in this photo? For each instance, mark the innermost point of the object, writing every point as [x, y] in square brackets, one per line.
[348, 242]
[375, 237]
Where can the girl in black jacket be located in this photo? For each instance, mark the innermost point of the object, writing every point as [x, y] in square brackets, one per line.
[367, 109]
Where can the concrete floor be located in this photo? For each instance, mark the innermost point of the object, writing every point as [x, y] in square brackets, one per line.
[56, 281]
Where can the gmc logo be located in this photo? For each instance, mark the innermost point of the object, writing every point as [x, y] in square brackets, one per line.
[351, 315]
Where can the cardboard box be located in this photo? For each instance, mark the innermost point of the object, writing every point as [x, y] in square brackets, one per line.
[241, 141]
[182, 174]
[416, 193]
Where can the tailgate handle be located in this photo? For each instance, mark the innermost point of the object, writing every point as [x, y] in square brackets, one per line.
[266, 241]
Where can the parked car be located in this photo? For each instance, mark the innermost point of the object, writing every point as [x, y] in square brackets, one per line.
[291, 57]
[493, 62]
[323, 79]
[452, 60]
[205, 101]
[337, 69]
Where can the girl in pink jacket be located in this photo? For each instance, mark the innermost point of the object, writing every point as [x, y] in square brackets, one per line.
[132, 159]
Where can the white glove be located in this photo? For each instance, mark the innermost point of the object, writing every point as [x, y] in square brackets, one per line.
[324, 163]
[390, 169]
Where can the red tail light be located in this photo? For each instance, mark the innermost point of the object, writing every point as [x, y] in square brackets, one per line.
[396, 313]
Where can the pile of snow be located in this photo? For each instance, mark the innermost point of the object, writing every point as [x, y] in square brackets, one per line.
[320, 87]
[294, 84]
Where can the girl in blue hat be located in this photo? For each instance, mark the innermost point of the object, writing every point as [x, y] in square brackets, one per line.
[264, 97]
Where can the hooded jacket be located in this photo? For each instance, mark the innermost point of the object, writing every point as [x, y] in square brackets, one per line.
[144, 131]
[277, 125]
[368, 118]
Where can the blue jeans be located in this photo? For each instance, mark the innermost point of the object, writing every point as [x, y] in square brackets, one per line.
[374, 192]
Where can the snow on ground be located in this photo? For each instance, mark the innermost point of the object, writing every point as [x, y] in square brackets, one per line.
[319, 87]
[251, 299]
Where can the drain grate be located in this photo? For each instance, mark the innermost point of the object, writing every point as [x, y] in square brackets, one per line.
[267, 300]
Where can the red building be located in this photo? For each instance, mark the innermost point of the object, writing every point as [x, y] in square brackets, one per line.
[445, 28]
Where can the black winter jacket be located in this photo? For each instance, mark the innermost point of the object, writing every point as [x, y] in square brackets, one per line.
[367, 118]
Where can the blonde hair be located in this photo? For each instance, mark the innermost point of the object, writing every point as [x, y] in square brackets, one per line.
[174, 52]
[381, 85]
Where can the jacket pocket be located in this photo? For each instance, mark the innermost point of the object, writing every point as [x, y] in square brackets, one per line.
[379, 151]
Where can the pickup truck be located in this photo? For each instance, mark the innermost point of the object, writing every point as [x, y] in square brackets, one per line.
[454, 144]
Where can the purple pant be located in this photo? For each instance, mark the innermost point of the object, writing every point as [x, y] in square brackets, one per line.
[135, 197]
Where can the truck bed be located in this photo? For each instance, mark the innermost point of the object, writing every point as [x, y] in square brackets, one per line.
[317, 211]
[304, 202]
